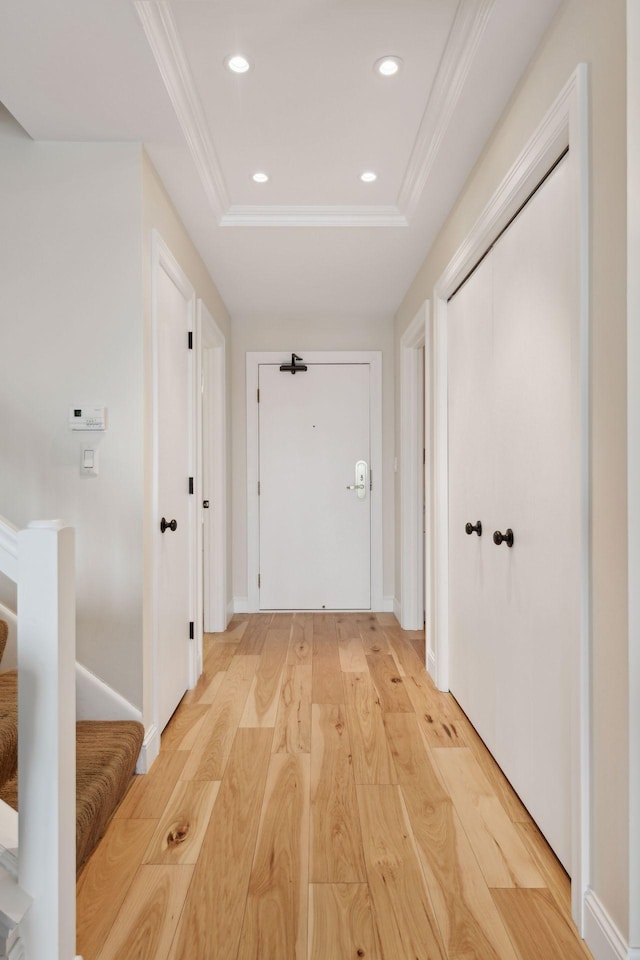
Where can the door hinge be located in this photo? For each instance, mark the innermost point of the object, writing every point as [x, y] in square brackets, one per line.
[258, 488]
[258, 393]
[424, 457]
[190, 484]
[370, 479]
[258, 579]
[190, 340]
[191, 630]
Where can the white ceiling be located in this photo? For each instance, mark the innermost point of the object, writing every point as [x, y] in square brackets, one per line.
[314, 241]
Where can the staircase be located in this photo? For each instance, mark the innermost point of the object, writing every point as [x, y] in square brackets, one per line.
[68, 786]
[106, 755]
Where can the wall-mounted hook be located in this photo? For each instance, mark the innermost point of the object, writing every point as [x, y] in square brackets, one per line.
[293, 367]
[473, 528]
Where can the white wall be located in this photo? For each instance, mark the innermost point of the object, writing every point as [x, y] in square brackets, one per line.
[297, 335]
[71, 333]
[593, 32]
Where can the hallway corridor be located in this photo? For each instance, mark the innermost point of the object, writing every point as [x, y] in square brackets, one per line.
[316, 798]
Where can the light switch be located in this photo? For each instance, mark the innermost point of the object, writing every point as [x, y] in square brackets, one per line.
[89, 462]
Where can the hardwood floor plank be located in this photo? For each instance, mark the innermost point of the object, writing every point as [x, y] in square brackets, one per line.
[404, 653]
[146, 924]
[503, 857]
[341, 922]
[372, 760]
[293, 722]
[537, 926]
[149, 793]
[211, 921]
[185, 717]
[387, 620]
[275, 920]
[208, 758]
[402, 912]
[254, 636]
[373, 637]
[180, 832]
[262, 702]
[210, 692]
[468, 920]
[234, 632]
[412, 760]
[105, 880]
[327, 675]
[430, 702]
[509, 799]
[389, 685]
[281, 621]
[301, 641]
[352, 655]
[217, 658]
[553, 873]
[336, 843]
[347, 625]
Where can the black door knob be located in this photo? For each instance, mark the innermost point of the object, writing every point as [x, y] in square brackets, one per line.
[168, 525]
[507, 537]
[471, 528]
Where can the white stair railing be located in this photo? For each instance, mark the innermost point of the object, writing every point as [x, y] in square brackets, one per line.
[40, 559]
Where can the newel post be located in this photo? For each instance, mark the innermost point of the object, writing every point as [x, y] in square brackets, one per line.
[46, 737]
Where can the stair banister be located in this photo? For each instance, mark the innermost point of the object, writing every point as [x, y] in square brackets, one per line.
[42, 555]
[8, 549]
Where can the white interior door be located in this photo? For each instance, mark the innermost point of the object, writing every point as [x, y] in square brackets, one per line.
[174, 410]
[315, 534]
[514, 463]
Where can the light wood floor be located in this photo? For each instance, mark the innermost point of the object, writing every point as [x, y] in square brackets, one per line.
[316, 797]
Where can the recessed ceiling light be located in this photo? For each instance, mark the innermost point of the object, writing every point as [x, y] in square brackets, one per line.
[260, 177]
[388, 66]
[237, 63]
[368, 176]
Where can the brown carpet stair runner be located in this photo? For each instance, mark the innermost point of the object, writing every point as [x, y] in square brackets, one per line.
[106, 755]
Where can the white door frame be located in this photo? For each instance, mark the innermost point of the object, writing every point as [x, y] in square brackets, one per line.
[254, 359]
[414, 414]
[212, 433]
[163, 259]
[565, 125]
[633, 457]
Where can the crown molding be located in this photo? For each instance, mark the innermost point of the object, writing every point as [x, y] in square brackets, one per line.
[162, 34]
[313, 216]
[467, 29]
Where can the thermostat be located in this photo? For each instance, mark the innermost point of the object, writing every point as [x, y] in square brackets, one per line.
[88, 418]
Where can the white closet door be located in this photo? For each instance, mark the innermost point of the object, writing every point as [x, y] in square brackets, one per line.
[522, 609]
[471, 428]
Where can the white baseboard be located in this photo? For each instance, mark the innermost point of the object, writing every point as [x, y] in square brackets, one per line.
[431, 665]
[397, 609]
[601, 934]
[241, 605]
[96, 700]
[150, 749]
[388, 604]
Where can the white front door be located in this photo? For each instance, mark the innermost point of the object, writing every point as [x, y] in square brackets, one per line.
[514, 463]
[173, 321]
[315, 533]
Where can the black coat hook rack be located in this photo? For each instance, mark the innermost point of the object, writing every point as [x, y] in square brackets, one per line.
[293, 367]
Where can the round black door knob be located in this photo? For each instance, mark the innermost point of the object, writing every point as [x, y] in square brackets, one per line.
[507, 537]
[473, 528]
[168, 525]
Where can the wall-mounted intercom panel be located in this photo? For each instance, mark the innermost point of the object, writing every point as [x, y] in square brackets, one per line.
[88, 418]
